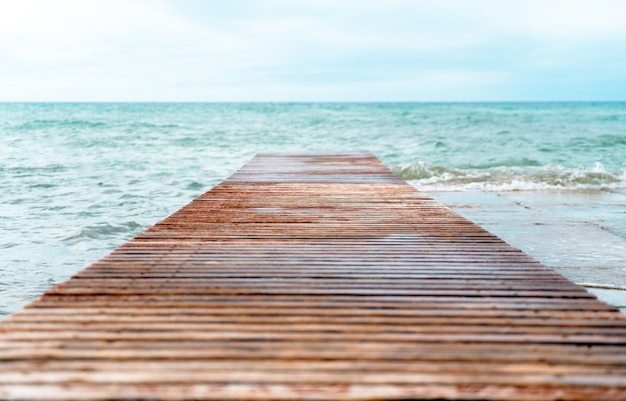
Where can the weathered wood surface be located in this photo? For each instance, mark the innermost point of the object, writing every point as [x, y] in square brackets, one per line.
[315, 277]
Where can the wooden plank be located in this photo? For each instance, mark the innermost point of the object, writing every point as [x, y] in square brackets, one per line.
[315, 277]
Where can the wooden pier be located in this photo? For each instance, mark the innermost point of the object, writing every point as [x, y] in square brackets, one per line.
[315, 277]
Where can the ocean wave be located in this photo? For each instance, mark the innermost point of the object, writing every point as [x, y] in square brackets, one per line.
[509, 178]
[149, 125]
[102, 231]
[61, 123]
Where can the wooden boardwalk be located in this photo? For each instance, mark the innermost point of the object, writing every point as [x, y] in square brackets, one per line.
[318, 277]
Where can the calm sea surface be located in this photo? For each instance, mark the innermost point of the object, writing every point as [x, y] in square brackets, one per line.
[76, 180]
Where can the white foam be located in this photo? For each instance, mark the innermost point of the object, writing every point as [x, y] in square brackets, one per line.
[603, 286]
[526, 178]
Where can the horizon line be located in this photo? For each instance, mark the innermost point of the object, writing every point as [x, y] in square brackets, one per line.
[301, 101]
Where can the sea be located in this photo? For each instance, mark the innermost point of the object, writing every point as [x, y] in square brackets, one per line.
[79, 179]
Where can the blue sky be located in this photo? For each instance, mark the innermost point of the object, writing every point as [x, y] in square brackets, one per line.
[312, 50]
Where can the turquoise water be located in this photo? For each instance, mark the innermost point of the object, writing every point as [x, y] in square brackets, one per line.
[76, 180]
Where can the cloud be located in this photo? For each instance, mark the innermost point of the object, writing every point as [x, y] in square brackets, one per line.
[302, 50]
[575, 19]
[100, 45]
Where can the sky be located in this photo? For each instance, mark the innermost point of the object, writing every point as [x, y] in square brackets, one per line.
[312, 50]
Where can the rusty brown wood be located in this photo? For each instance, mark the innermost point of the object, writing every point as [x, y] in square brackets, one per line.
[315, 277]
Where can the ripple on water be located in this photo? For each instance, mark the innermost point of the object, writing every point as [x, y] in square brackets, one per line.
[101, 231]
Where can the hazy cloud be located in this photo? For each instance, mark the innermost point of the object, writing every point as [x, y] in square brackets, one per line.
[312, 50]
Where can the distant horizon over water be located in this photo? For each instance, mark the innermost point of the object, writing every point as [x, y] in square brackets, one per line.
[304, 102]
[80, 178]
